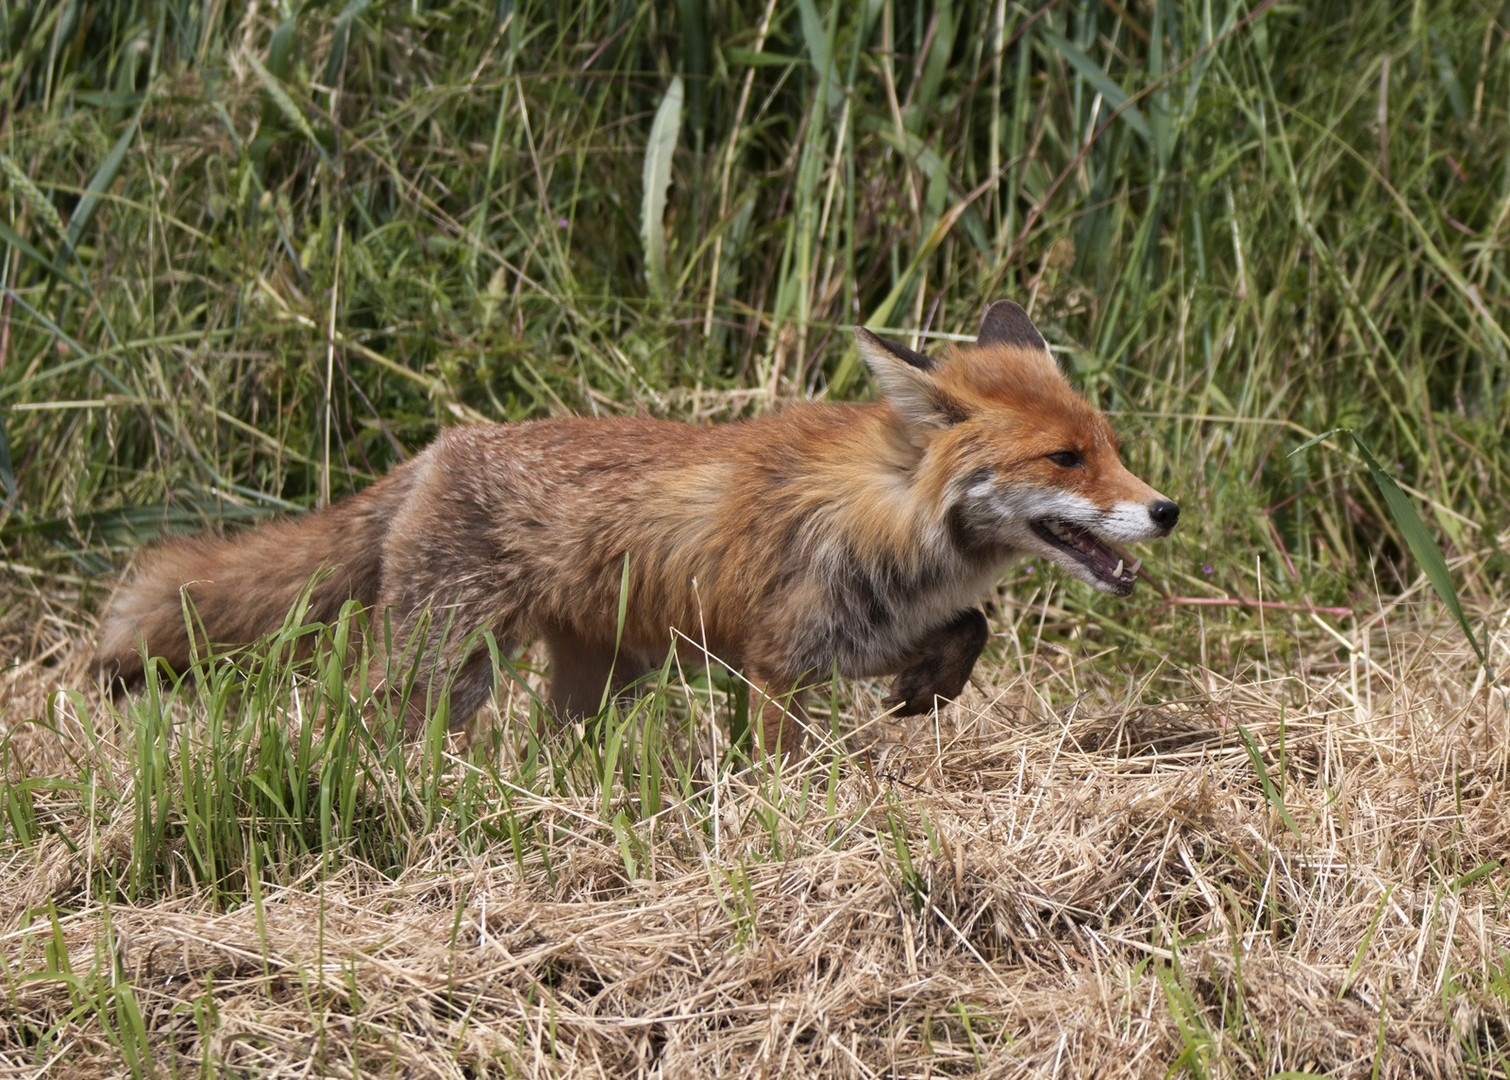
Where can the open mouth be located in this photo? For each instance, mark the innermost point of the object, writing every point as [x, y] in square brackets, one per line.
[1108, 568]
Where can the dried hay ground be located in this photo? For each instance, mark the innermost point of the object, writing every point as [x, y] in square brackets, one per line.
[1055, 878]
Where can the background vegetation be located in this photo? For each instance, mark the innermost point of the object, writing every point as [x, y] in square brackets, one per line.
[255, 254]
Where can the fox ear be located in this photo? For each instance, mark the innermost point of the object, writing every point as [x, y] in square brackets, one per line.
[868, 340]
[908, 383]
[1006, 323]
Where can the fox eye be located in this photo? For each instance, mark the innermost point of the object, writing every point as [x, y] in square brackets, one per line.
[1066, 459]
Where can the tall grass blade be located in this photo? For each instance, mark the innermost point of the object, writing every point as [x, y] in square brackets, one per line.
[817, 37]
[1271, 792]
[14, 239]
[341, 39]
[658, 154]
[99, 183]
[1101, 82]
[697, 63]
[1417, 537]
[7, 471]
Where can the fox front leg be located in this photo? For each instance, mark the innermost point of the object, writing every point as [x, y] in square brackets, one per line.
[940, 664]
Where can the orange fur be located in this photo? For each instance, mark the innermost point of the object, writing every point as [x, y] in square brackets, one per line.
[848, 537]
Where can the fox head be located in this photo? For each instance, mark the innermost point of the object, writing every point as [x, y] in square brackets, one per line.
[1016, 462]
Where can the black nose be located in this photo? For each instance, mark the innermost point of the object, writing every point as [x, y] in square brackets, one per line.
[1164, 514]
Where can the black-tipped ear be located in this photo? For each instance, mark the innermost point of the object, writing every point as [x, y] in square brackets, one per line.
[901, 352]
[908, 382]
[1006, 323]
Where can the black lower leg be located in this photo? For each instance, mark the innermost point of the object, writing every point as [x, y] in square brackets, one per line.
[940, 664]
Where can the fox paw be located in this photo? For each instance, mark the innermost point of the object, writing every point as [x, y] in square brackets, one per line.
[916, 689]
[944, 661]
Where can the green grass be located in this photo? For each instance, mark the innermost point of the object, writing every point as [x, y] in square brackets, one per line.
[249, 263]
[252, 266]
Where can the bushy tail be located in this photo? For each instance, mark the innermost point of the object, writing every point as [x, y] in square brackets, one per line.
[241, 587]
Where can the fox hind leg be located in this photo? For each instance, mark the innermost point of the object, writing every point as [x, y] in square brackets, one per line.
[444, 651]
[583, 671]
[940, 664]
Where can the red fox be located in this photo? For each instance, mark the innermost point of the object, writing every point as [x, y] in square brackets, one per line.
[828, 537]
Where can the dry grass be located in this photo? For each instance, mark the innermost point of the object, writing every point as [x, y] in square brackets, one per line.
[1054, 878]
[255, 254]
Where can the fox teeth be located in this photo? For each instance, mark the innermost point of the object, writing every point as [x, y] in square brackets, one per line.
[1118, 571]
[1135, 567]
